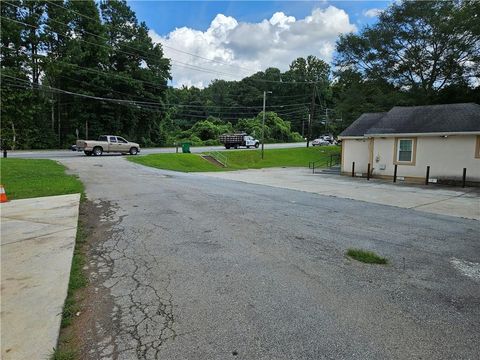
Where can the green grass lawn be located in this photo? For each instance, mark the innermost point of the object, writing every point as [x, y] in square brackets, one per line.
[176, 162]
[240, 159]
[27, 178]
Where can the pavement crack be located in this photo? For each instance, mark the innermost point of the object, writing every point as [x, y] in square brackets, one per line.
[145, 317]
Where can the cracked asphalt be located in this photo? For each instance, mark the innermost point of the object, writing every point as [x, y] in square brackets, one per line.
[192, 267]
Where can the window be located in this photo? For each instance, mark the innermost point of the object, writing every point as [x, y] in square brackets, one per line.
[102, 138]
[405, 150]
[113, 139]
[121, 140]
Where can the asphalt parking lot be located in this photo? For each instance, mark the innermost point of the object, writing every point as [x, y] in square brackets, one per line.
[445, 200]
[186, 266]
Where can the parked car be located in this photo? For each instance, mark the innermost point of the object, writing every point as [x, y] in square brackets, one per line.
[107, 143]
[320, 142]
[329, 138]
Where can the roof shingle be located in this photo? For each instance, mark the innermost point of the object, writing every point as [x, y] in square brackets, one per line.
[445, 118]
[360, 126]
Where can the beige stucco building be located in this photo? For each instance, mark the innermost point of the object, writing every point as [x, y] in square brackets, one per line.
[446, 138]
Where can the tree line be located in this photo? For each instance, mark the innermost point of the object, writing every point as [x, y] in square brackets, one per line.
[78, 66]
[62, 62]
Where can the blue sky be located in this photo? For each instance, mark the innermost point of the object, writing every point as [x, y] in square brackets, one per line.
[243, 37]
[164, 16]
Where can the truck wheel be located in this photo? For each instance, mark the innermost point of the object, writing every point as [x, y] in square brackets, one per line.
[227, 147]
[248, 146]
[236, 146]
[97, 151]
[257, 145]
[133, 151]
[88, 153]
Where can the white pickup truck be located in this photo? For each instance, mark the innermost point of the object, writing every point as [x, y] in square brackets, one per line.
[107, 144]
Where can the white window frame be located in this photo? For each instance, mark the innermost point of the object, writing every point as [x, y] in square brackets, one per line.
[396, 156]
[399, 149]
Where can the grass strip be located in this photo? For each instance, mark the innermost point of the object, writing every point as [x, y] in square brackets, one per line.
[28, 178]
[240, 159]
[78, 279]
[368, 257]
[66, 349]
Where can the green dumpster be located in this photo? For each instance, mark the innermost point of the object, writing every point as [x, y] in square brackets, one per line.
[186, 148]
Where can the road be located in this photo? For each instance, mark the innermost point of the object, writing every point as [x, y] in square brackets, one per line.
[59, 154]
[184, 266]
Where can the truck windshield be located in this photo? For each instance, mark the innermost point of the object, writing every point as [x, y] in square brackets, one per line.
[102, 138]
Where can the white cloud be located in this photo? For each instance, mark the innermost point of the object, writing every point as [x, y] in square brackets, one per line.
[240, 49]
[371, 13]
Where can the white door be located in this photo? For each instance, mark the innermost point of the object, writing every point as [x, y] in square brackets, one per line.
[249, 141]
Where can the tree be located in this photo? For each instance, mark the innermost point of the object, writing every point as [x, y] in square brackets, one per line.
[137, 71]
[418, 46]
[23, 122]
[276, 129]
[354, 95]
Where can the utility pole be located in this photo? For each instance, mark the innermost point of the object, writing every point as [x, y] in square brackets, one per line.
[86, 129]
[326, 120]
[53, 116]
[263, 121]
[309, 122]
[59, 138]
[311, 116]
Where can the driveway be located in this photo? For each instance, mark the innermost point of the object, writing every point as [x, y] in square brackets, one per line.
[446, 200]
[186, 266]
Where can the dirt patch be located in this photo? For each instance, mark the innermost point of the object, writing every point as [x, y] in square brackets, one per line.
[94, 301]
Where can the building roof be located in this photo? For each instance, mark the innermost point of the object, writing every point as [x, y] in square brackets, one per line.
[360, 126]
[446, 118]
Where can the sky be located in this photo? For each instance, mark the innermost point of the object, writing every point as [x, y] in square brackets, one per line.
[233, 39]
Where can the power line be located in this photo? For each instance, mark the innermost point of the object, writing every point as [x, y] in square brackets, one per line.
[118, 101]
[167, 46]
[179, 63]
[147, 107]
[92, 69]
[29, 84]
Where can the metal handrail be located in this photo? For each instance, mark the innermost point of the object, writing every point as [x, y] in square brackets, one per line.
[221, 158]
[334, 160]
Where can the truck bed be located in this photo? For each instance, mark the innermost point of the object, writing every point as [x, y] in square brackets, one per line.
[231, 139]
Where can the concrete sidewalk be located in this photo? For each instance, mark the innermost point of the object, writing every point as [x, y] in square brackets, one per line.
[37, 242]
[452, 201]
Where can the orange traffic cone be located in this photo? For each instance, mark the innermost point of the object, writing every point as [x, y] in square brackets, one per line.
[3, 195]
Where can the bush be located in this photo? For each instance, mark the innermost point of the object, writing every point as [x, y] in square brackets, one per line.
[209, 129]
[276, 129]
